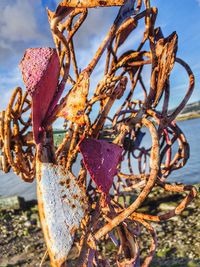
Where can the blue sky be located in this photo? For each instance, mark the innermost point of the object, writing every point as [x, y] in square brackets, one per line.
[24, 24]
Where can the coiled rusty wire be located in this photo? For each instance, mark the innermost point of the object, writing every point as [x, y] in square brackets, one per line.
[118, 221]
[17, 146]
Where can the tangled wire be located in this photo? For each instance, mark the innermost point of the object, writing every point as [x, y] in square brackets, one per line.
[142, 168]
[17, 146]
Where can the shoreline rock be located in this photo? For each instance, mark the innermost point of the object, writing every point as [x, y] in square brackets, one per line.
[13, 202]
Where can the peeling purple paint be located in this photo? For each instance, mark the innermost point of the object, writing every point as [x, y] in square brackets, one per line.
[101, 159]
[40, 70]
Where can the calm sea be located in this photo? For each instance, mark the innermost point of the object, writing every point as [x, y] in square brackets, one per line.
[10, 184]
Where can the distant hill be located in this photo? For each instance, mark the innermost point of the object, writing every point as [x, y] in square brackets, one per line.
[192, 107]
[190, 111]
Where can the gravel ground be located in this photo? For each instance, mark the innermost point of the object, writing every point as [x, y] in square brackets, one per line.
[22, 244]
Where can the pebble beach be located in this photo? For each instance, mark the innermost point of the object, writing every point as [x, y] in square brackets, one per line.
[22, 243]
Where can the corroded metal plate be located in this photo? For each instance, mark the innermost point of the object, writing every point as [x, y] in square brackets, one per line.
[101, 159]
[62, 205]
[40, 70]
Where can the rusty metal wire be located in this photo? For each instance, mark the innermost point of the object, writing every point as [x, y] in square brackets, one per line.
[17, 146]
[148, 166]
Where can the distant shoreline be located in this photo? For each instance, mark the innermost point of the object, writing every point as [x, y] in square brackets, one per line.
[189, 116]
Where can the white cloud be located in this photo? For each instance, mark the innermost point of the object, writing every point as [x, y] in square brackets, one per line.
[22, 24]
[9, 81]
[18, 21]
[198, 1]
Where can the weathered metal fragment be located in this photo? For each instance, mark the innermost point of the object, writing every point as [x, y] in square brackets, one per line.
[92, 3]
[72, 108]
[62, 205]
[166, 49]
[101, 159]
[40, 70]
